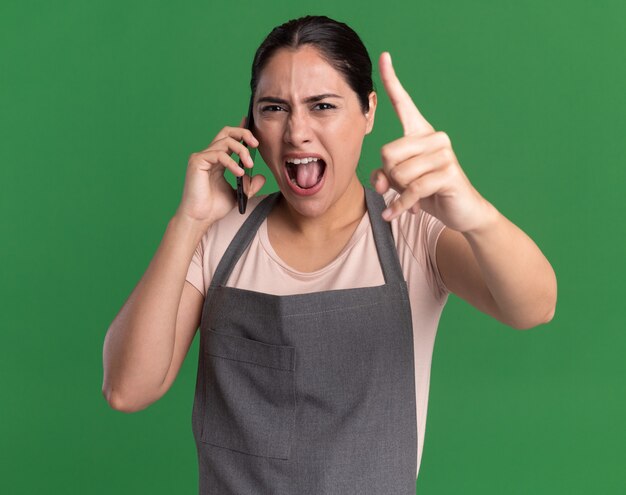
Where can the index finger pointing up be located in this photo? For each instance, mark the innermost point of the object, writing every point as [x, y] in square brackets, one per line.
[413, 123]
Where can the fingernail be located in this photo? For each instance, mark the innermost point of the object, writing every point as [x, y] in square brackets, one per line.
[387, 214]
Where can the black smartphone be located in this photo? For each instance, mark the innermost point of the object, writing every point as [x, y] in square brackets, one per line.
[242, 197]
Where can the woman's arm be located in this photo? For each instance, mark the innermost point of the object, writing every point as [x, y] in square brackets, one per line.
[498, 269]
[149, 338]
[146, 344]
[482, 256]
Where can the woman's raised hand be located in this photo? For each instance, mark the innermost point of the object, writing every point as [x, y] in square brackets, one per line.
[207, 196]
[422, 167]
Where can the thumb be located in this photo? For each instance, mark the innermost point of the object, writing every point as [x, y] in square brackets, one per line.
[256, 183]
[379, 181]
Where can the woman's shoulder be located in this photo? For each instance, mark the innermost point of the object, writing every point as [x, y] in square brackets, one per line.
[416, 236]
[223, 231]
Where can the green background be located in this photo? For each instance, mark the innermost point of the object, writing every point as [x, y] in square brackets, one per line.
[101, 104]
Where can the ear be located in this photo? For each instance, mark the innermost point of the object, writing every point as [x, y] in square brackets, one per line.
[371, 112]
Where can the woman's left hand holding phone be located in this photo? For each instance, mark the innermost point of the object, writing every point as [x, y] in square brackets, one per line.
[207, 196]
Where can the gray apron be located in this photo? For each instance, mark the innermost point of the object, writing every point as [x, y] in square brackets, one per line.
[307, 394]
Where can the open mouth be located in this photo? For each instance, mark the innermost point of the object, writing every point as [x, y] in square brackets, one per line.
[306, 175]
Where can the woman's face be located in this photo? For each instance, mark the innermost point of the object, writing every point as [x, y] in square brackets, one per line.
[304, 108]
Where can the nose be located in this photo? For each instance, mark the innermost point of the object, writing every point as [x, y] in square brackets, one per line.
[298, 130]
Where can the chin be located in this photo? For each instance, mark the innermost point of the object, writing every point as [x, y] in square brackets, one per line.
[310, 206]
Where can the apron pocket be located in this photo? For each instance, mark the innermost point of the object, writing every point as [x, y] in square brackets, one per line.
[250, 401]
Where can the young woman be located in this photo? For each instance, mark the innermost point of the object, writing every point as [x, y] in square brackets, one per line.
[318, 307]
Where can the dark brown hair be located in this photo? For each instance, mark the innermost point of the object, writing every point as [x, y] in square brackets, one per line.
[336, 42]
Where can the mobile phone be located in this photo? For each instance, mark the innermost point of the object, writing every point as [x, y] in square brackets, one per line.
[242, 197]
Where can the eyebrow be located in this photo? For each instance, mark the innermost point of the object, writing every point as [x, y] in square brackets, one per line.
[310, 99]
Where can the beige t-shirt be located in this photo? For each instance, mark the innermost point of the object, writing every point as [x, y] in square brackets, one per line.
[260, 269]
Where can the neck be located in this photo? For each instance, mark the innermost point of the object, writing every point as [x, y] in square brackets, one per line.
[347, 210]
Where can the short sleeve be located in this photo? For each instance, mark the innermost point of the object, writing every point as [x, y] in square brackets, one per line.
[213, 245]
[434, 227]
[195, 272]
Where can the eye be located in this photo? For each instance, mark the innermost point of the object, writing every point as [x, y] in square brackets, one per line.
[271, 108]
[327, 106]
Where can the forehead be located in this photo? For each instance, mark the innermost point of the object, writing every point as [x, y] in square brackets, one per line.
[301, 72]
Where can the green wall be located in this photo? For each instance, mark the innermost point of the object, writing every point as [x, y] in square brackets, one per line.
[101, 104]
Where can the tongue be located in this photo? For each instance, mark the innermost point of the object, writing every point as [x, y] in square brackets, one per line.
[307, 174]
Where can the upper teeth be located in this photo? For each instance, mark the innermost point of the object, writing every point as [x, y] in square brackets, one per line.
[297, 161]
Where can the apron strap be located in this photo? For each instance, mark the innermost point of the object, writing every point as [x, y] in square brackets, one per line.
[242, 239]
[383, 238]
